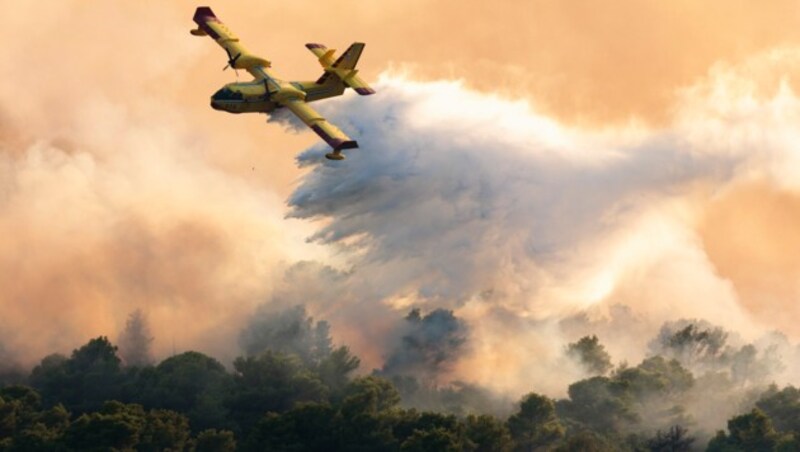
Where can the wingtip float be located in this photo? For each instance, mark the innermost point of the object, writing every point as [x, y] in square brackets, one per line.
[266, 92]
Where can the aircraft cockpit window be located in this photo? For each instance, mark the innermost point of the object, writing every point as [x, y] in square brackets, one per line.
[227, 94]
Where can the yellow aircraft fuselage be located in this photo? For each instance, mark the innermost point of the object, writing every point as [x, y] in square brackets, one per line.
[256, 97]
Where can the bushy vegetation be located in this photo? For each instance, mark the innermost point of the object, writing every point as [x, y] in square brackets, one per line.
[293, 390]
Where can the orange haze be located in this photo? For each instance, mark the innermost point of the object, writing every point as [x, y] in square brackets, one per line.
[121, 189]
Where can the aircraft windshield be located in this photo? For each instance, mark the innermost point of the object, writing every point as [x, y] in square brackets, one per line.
[227, 94]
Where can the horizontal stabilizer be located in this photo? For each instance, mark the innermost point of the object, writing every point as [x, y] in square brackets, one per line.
[323, 54]
[343, 68]
[360, 86]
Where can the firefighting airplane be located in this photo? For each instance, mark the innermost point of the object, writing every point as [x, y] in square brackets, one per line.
[267, 92]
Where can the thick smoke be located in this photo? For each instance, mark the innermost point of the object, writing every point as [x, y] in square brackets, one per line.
[135, 342]
[98, 233]
[456, 196]
[129, 192]
[428, 345]
[469, 202]
[286, 331]
[10, 369]
[114, 196]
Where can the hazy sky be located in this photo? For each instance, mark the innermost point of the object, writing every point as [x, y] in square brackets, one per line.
[633, 152]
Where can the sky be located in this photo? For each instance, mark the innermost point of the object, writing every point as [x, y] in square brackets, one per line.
[524, 163]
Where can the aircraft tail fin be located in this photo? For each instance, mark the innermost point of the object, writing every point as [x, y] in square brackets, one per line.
[343, 68]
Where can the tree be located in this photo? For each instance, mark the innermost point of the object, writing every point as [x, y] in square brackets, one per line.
[271, 382]
[164, 430]
[655, 376]
[782, 407]
[600, 404]
[750, 366]
[587, 441]
[121, 426]
[215, 441]
[135, 341]
[83, 382]
[535, 425]
[373, 395]
[23, 424]
[437, 438]
[590, 354]
[486, 434]
[191, 383]
[748, 432]
[212, 440]
[412, 420]
[291, 332]
[335, 369]
[614, 405]
[461, 398]
[695, 344]
[676, 439]
[429, 344]
[20, 405]
[49, 376]
[369, 415]
[117, 426]
[306, 427]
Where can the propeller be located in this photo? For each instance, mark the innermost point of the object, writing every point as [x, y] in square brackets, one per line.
[232, 61]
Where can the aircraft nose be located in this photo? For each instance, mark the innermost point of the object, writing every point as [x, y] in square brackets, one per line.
[215, 105]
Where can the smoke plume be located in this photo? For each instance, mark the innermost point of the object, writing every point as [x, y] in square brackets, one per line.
[135, 342]
[469, 202]
[428, 345]
[130, 193]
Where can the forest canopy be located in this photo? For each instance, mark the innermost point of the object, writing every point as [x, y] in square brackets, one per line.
[293, 389]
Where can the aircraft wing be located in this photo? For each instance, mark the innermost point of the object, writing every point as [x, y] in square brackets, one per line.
[238, 56]
[327, 131]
